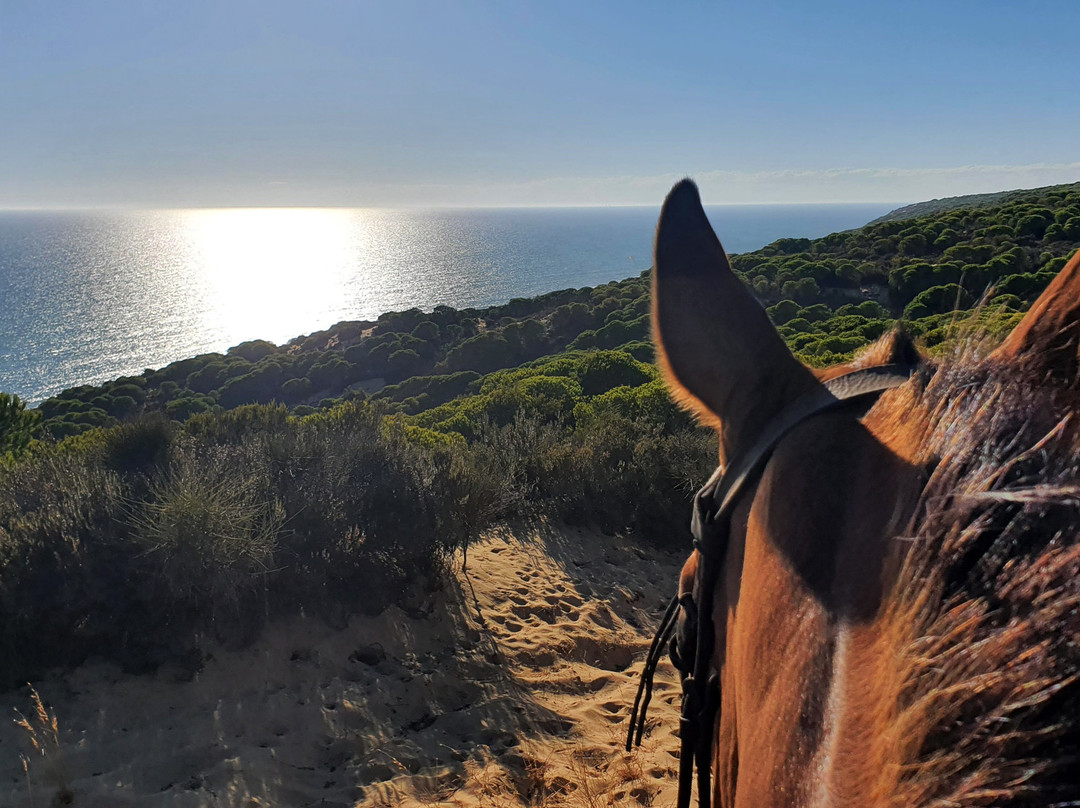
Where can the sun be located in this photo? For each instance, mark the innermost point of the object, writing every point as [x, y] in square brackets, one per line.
[272, 272]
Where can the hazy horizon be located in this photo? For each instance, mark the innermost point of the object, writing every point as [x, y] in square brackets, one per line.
[481, 104]
[419, 208]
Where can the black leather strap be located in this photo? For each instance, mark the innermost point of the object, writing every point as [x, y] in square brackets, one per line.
[716, 498]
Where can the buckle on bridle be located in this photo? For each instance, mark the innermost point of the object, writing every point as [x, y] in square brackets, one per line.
[703, 519]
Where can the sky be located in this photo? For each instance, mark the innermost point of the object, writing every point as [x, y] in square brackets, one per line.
[148, 103]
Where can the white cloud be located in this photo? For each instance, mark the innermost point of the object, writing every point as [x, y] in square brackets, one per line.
[887, 184]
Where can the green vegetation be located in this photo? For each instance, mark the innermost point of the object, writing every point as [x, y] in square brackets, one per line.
[829, 296]
[969, 201]
[133, 542]
[328, 474]
[139, 542]
[17, 427]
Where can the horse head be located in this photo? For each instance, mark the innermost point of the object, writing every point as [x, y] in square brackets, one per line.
[890, 599]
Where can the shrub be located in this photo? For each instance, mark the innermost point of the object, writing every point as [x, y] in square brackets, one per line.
[17, 426]
[914, 244]
[427, 331]
[402, 363]
[253, 350]
[121, 406]
[135, 391]
[568, 321]
[483, 353]
[332, 372]
[607, 369]
[138, 445]
[64, 572]
[237, 423]
[938, 300]
[296, 389]
[161, 535]
[783, 311]
[1032, 225]
[209, 528]
[627, 474]
[181, 409]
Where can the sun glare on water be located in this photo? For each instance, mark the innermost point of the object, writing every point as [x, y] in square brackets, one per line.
[271, 272]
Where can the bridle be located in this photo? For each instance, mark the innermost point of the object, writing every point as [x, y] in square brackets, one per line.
[711, 527]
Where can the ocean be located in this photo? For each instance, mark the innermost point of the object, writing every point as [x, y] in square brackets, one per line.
[89, 296]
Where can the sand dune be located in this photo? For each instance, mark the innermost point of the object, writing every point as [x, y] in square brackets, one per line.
[510, 687]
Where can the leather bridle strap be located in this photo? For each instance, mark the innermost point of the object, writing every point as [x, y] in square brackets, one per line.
[710, 526]
[718, 495]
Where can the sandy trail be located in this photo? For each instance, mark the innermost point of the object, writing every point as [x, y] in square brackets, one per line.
[510, 687]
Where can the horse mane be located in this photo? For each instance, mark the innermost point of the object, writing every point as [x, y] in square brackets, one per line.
[984, 619]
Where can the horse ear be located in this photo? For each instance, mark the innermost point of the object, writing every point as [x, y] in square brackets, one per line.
[1049, 335]
[895, 347]
[721, 356]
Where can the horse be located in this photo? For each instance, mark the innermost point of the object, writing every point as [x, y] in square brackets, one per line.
[893, 612]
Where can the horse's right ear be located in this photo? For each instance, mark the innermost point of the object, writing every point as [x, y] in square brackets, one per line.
[721, 356]
[1048, 338]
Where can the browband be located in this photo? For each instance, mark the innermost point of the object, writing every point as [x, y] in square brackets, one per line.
[718, 495]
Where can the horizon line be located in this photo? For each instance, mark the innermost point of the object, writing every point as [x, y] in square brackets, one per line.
[419, 207]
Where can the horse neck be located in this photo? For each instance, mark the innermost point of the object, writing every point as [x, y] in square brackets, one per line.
[856, 764]
[808, 686]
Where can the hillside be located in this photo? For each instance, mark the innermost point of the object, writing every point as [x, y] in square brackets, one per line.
[830, 296]
[969, 201]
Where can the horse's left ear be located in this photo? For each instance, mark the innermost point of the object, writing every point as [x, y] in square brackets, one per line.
[720, 354]
[1049, 335]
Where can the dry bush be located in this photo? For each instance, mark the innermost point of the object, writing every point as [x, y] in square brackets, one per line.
[619, 473]
[208, 528]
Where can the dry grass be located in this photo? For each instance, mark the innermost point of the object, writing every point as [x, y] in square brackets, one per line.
[43, 732]
[217, 531]
[602, 780]
[582, 777]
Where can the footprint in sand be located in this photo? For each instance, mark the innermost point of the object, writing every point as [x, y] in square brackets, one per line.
[599, 683]
[537, 659]
[555, 726]
[525, 611]
[602, 617]
[603, 654]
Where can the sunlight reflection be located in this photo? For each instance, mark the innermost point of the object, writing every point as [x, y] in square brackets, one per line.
[272, 272]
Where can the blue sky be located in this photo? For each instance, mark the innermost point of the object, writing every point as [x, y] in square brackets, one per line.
[461, 103]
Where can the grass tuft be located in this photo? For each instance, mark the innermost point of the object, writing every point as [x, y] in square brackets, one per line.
[43, 732]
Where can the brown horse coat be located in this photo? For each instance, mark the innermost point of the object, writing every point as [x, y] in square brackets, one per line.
[898, 615]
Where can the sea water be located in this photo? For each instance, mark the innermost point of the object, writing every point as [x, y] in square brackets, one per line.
[89, 296]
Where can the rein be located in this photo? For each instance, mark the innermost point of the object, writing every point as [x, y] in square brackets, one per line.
[711, 526]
